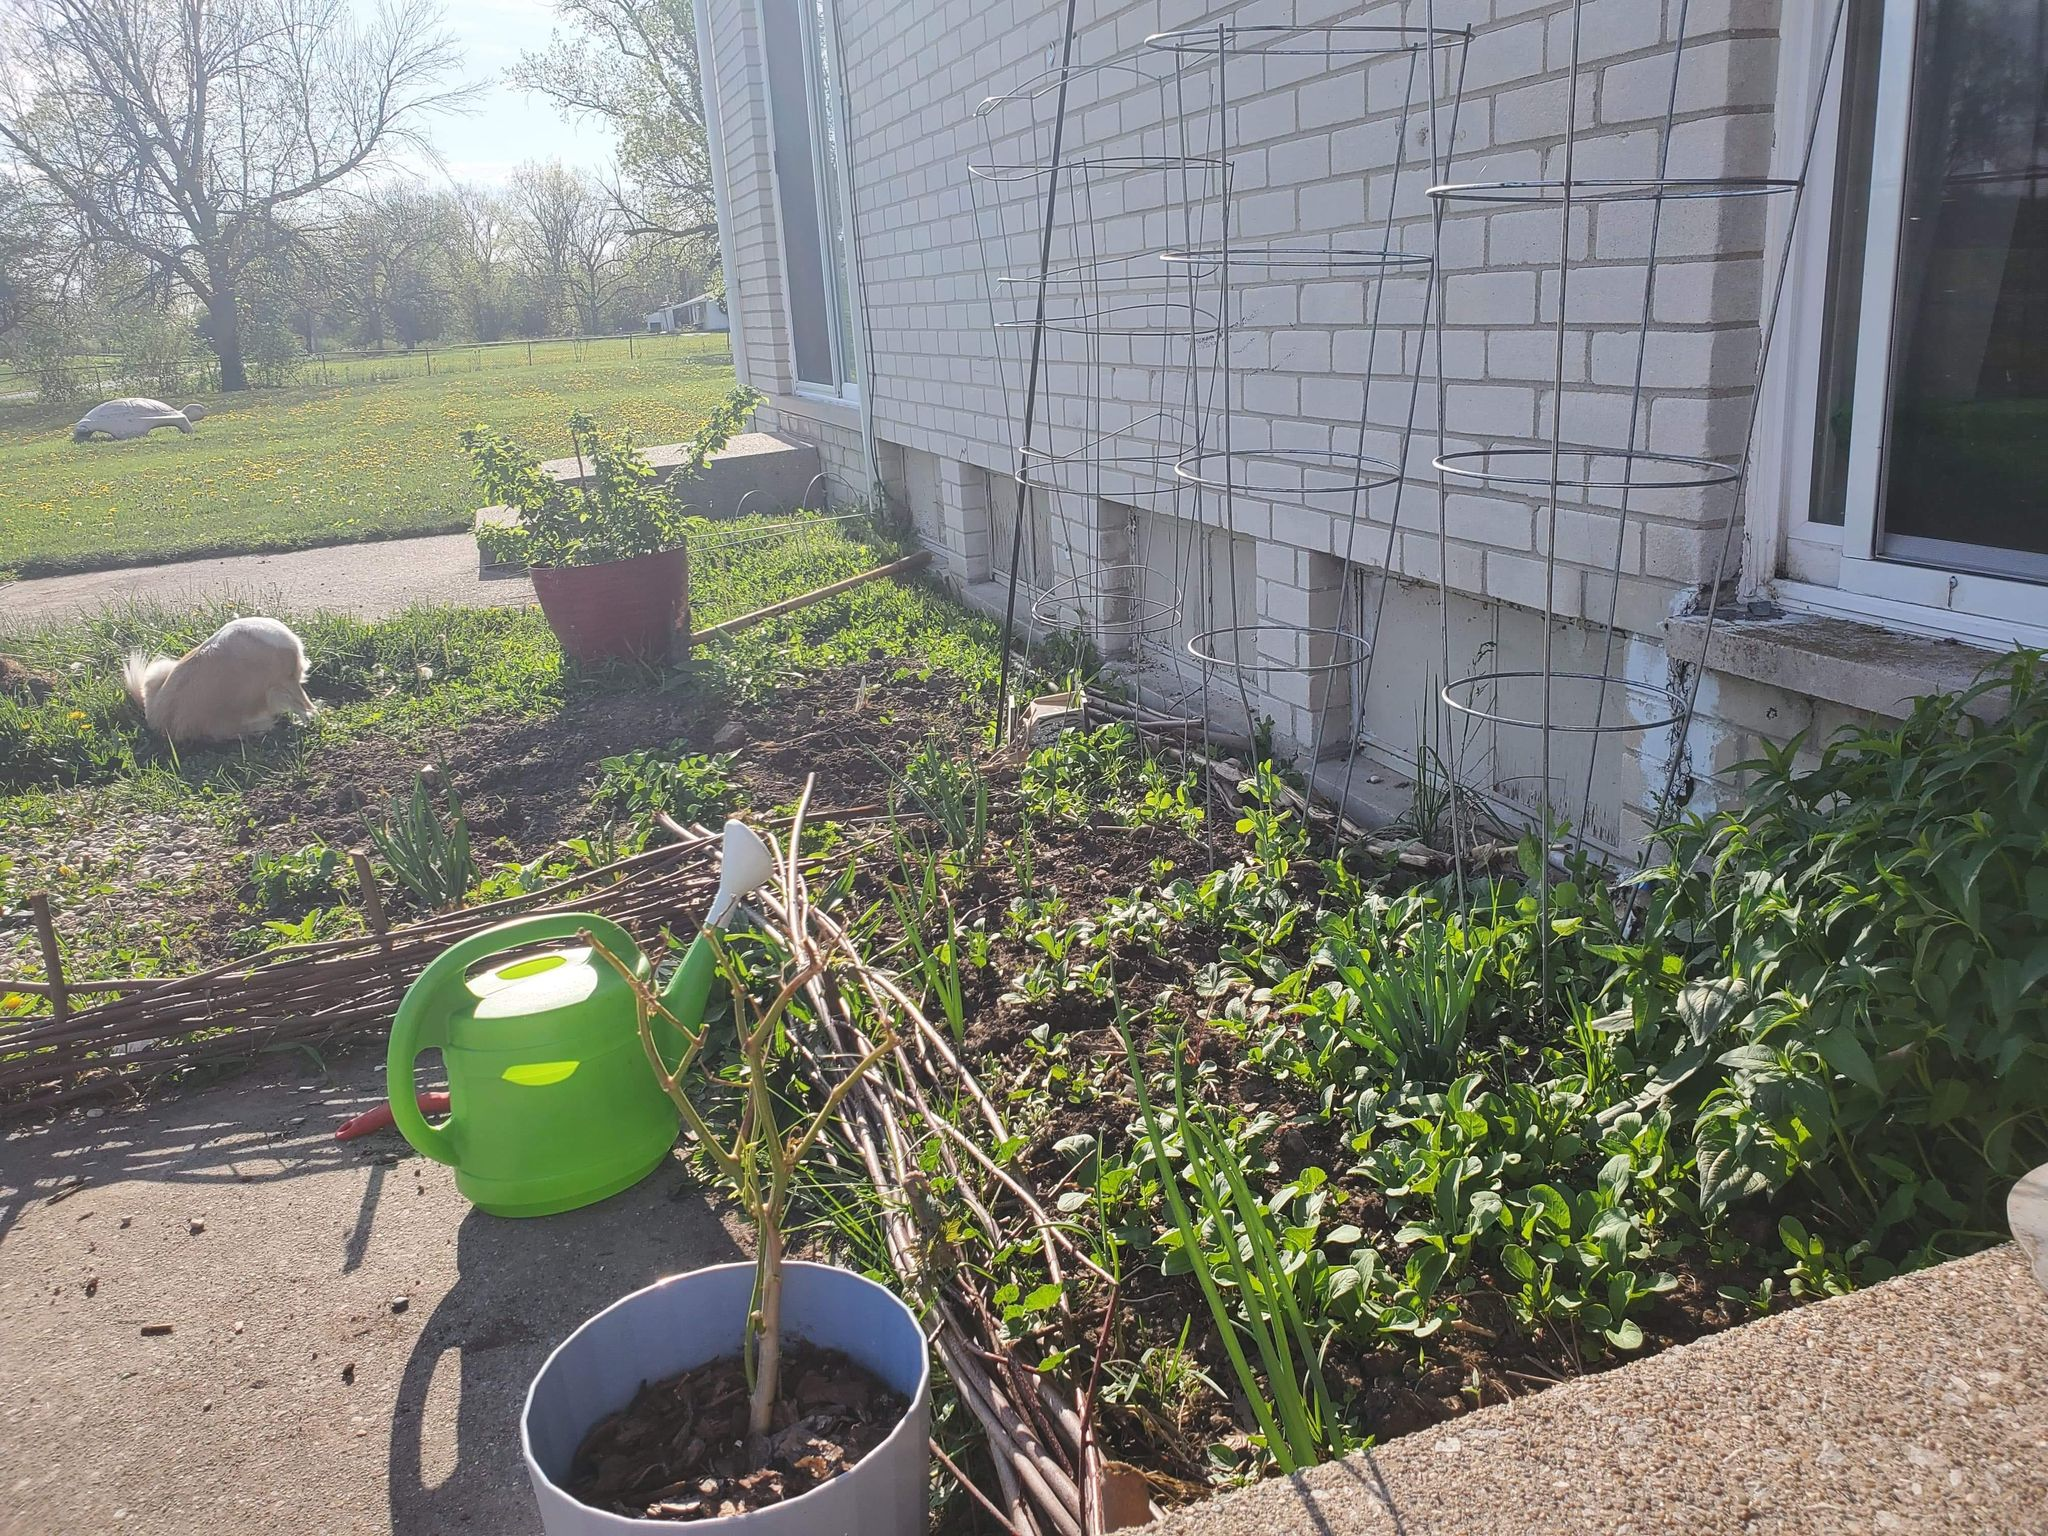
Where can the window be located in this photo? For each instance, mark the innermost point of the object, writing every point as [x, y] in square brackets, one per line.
[1929, 465]
[811, 194]
[1039, 573]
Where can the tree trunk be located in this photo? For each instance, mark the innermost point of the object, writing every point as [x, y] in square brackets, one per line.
[767, 1330]
[224, 330]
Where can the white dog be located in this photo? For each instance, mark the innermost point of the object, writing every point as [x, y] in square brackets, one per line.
[235, 683]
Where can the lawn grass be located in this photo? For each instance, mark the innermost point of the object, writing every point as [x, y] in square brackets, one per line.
[284, 469]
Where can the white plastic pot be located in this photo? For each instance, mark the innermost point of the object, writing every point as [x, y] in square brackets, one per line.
[685, 1320]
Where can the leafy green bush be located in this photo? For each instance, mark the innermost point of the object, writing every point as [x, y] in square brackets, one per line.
[1106, 769]
[155, 352]
[271, 349]
[45, 347]
[1078, 771]
[1409, 996]
[622, 514]
[1885, 915]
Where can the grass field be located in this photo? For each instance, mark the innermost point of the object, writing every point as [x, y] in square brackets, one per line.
[282, 469]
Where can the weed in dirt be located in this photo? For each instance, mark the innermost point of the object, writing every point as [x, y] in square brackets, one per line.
[293, 882]
[635, 788]
[429, 854]
[953, 792]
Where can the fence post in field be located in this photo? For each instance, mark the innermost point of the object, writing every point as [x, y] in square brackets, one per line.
[629, 346]
[529, 354]
[430, 362]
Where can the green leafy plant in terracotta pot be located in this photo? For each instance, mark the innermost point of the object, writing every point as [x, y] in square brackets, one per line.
[606, 554]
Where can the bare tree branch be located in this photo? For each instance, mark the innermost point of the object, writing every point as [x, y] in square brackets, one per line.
[632, 64]
[193, 133]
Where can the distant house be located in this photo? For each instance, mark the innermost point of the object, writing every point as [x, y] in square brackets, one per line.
[703, 313]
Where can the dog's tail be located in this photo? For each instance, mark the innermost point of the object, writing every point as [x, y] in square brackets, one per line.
[142, 674]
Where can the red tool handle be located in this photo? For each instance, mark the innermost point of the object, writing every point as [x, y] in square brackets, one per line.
[380, 1118]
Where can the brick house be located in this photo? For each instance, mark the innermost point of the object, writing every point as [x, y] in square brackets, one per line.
[1881, 530]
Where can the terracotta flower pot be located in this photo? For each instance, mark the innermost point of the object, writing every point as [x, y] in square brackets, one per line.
[625, 610]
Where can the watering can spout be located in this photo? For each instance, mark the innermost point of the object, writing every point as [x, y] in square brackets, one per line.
[746, 866]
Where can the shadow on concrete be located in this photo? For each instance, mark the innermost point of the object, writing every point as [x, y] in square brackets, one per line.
[1364, 1470]
[523, 1286]
[1351, 1484]
[263, 1125]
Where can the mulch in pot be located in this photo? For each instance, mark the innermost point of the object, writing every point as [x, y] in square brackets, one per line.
[680, 1450]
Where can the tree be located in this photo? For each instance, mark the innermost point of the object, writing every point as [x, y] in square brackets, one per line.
[390, 262]
[573, 238]
[34, 255]
[192, 132]
[480, 266]
[633, 65]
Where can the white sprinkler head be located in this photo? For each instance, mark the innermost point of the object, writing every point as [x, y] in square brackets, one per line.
[744, 868]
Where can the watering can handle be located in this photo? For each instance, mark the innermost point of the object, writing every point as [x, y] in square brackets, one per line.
[422, 1021]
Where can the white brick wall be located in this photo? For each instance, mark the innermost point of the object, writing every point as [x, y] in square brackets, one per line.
[1314, 149]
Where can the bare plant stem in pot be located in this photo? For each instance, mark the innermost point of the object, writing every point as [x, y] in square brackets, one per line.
[759, 1161]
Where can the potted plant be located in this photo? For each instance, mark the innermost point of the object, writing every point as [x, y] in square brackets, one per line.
[606, 554]
[775, 1397]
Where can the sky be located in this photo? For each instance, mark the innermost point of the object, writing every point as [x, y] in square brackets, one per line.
[504, 127]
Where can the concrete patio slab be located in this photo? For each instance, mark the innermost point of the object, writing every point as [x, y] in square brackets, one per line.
[293, 1392]
[1917, 1405]
[753, 472]
[370, 581]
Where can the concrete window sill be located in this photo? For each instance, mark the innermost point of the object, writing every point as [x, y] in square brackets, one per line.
[832, 413]
[1860, 666]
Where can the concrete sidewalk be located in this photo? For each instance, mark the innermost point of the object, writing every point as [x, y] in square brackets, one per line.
[350, 1343]
[367, 580]
[1918, 1405]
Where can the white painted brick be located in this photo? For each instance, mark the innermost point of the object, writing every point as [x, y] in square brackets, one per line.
[1490, 298]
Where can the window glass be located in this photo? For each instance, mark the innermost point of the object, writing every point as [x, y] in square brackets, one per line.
[1967, 451]
[832, 189]
[803, 95]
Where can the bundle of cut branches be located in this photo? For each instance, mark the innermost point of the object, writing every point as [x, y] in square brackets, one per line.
[1052, 1475]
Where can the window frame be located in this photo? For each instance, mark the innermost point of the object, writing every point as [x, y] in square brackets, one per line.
[1841, 569]
[842, 322]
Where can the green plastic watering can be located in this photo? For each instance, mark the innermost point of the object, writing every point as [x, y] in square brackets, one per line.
[551, 1101]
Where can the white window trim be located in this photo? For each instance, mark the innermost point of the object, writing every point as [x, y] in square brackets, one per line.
[1815, 566]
